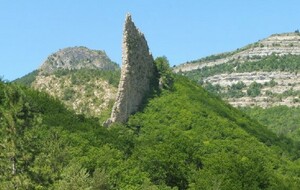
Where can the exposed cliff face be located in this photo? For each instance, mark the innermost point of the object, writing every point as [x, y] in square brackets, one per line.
[76, 58]
[136, 74]
[262, 74]
[276, 88]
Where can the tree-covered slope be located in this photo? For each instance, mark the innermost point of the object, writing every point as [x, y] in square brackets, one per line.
[84, 80]
[27, 79]
[86, 91]
[46, 146]
[282, 120]
[184, 138]
[205, 143]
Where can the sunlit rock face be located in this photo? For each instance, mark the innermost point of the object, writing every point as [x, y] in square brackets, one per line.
[136, 75]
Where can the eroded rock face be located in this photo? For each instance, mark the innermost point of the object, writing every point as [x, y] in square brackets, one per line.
[284, 91]
[136, 74]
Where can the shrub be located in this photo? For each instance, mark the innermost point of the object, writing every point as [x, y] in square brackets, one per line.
[254, 89]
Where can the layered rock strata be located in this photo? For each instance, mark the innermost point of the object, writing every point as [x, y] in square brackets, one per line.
[284, 91]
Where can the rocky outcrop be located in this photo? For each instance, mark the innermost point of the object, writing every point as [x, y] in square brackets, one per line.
[136, 74]
[74, 58]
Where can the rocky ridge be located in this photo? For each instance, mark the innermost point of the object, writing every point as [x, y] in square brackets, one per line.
[136, 74]
[278, 44]
[271, 85]
[73, 58]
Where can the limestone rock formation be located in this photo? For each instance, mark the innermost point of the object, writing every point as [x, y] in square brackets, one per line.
[74, 58]
[136, 74]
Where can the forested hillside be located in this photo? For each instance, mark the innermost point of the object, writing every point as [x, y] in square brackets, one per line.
[84, 80]
[282, 120]
[184, 138]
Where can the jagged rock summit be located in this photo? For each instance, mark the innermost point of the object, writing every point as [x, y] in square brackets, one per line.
[136, 74]
[73, 58]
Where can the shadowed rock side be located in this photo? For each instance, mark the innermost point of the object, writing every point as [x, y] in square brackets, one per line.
[136, 74]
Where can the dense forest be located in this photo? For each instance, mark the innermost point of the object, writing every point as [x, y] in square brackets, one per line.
[282, 120]
[183, 138]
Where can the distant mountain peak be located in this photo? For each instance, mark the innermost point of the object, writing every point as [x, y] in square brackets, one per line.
[73, 58]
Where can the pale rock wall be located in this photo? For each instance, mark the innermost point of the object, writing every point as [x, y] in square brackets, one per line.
[136, 74]
[284, 82]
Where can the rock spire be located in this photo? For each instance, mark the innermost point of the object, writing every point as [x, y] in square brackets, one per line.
[136, 74]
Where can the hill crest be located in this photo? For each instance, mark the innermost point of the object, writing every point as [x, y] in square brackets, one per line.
[277, 44]
[73, 58]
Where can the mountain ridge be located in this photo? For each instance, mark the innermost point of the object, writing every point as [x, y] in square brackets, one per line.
[279, 44]
[262, 74]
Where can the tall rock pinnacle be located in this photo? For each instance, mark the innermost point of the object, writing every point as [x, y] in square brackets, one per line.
[136, 75]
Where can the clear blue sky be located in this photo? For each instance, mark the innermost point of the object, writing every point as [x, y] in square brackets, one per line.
[182, 30]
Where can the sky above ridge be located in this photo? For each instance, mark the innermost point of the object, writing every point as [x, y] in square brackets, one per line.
[181, 30]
